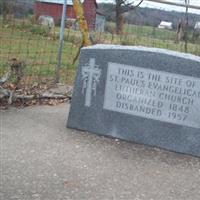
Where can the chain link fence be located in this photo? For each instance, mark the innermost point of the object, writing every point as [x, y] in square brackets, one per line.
[35, 47]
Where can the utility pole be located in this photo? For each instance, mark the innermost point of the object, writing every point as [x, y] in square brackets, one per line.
[62, 31]
[175, 4]
[187, 2]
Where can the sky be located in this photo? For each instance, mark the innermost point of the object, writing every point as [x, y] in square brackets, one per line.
[163, 6]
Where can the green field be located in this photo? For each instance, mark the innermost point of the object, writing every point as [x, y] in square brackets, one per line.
[37, 51]
[38, 48]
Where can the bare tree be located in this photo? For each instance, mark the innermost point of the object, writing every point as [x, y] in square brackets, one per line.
[8, 9]
[123, 6]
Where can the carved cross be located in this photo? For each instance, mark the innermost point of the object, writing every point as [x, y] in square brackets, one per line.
[90, 76]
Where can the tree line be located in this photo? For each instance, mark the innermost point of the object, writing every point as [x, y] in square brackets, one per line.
[120, 12]
[148, 16]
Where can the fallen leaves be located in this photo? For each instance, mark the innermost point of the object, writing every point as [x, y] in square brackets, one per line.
[37, 94]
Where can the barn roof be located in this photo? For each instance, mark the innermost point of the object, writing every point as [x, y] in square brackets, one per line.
[100, 13]
[164, 23]
[69, 2]
[197, 25]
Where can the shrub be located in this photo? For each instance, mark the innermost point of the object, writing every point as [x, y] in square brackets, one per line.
[40, 30]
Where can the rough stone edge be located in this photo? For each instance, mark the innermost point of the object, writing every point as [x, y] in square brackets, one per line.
[145, 49]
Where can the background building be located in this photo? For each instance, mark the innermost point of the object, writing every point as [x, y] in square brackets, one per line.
[54, 9]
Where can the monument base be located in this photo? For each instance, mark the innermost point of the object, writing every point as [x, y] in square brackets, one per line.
[149, 96]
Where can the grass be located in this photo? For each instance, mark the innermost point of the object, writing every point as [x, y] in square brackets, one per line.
[38, 47]
[37, 51]
[152, 32]
[154, 37]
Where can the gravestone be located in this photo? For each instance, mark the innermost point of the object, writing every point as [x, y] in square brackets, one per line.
[145, 95]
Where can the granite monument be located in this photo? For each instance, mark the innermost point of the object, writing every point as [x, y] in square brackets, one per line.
[145, 95]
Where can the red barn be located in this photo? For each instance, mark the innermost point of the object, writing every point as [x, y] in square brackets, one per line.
[54, 9]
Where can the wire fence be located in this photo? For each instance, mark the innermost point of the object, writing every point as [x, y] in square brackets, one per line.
[37, 47]
[23, 40]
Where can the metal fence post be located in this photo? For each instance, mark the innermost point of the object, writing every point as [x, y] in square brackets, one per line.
[62, 30]
[187, 2]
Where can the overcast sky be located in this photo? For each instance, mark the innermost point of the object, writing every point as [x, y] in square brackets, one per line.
[163, 6]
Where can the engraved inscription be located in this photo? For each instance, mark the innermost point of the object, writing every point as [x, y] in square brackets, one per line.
[153, 94]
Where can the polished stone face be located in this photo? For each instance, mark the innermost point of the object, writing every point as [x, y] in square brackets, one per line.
[144, 95]
[153, 94]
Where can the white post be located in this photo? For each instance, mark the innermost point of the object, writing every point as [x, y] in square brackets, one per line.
[62, 31]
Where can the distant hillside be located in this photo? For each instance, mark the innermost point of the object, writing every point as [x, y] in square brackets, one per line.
[20, 7]
[148, 16]
[139, 16]
[24, 7]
